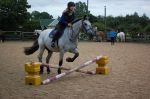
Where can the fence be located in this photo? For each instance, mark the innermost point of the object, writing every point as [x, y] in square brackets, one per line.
[142, 38]
[28, 36]
[18, 35]
[12, 35]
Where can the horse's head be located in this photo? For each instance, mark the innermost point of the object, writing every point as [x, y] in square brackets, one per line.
[87, 27]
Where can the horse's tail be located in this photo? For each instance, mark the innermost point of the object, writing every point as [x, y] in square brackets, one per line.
[32, 49]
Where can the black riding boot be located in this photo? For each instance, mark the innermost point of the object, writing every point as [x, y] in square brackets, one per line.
[56, 37]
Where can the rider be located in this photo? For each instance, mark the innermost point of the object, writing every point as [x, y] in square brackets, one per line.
[65, 20]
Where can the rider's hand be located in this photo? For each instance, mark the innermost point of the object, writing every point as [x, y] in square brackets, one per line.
[69, 24]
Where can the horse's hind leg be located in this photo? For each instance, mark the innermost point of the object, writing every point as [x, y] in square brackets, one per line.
[41, 49]
[60, 61]
[48, 59]
[41, 54]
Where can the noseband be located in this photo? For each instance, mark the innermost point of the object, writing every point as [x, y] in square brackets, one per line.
[84, 28]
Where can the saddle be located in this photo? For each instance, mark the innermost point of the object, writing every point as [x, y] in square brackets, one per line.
[52, 33]
[55, 34]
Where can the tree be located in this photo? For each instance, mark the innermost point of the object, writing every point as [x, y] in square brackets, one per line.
[93, 18]
[31, 25]
[100, 26]
[45, 15]
[144, 20]
[134, 29]
[147, 29]
[33, 21]
[81, 9]
[13, 13]
[35, 15]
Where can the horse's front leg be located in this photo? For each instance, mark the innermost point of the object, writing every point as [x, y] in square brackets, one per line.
[60, 61]
[76, 54]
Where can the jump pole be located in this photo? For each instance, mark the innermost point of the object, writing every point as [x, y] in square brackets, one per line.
[64, 68]
[50, 79]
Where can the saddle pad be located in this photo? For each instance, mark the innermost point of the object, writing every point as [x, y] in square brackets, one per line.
[52, 33]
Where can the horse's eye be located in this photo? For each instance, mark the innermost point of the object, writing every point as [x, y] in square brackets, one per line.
[85, 24]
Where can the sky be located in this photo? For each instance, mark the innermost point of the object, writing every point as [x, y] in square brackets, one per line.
[96, 7]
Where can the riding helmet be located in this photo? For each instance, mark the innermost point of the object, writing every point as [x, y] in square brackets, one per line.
[71, 4]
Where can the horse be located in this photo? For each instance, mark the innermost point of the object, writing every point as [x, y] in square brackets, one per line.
[121, 37]
[67, 43]
[99, 36]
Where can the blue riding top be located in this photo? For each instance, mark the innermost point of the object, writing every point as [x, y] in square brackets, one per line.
[66, 18]
[112, 34]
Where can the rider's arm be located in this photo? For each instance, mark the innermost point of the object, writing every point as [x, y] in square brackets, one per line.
[63, 19]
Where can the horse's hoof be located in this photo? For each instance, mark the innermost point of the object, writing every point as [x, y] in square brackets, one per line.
[48, 71]
[68, 59]
[59, 71]
[41, 72]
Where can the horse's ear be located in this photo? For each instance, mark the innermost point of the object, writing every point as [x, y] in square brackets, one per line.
[85, 17]
[45, 27]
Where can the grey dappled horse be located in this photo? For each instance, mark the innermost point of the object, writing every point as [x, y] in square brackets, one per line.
[67, 43]
[121, 37]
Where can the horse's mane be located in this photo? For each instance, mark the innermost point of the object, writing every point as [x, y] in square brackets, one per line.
[76, 20]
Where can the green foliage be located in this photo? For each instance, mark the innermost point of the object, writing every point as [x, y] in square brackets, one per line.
[31, 25]
[131, 24]
[34, 20]
[147, 29]
[93, 18]
[35, 15]
[13, 13]
[81, 9]
[100, 26]
[45, 15]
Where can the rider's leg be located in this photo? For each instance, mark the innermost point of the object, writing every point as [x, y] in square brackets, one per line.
[57, 36]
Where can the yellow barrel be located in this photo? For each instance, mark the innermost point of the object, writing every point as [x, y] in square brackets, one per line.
[33, 80]
[32, 67]
[102, 70]
[102, 61]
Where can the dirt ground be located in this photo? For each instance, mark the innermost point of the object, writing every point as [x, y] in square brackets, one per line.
[129, 76]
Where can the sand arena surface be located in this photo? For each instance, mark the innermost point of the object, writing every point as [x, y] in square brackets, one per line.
[129, 76]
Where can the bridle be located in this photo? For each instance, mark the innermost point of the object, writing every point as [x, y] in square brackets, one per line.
[84, 28]
[72, 35]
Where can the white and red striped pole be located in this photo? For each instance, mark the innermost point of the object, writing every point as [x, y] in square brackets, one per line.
[64, 68]
[50, 79]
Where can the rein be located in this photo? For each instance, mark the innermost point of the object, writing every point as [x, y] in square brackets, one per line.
[72, 36]
[84, 29]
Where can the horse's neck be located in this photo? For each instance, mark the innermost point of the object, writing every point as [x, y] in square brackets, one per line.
[77, 26]
[73, 32]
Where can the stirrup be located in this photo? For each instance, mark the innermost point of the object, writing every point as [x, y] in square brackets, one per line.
[53, 44]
